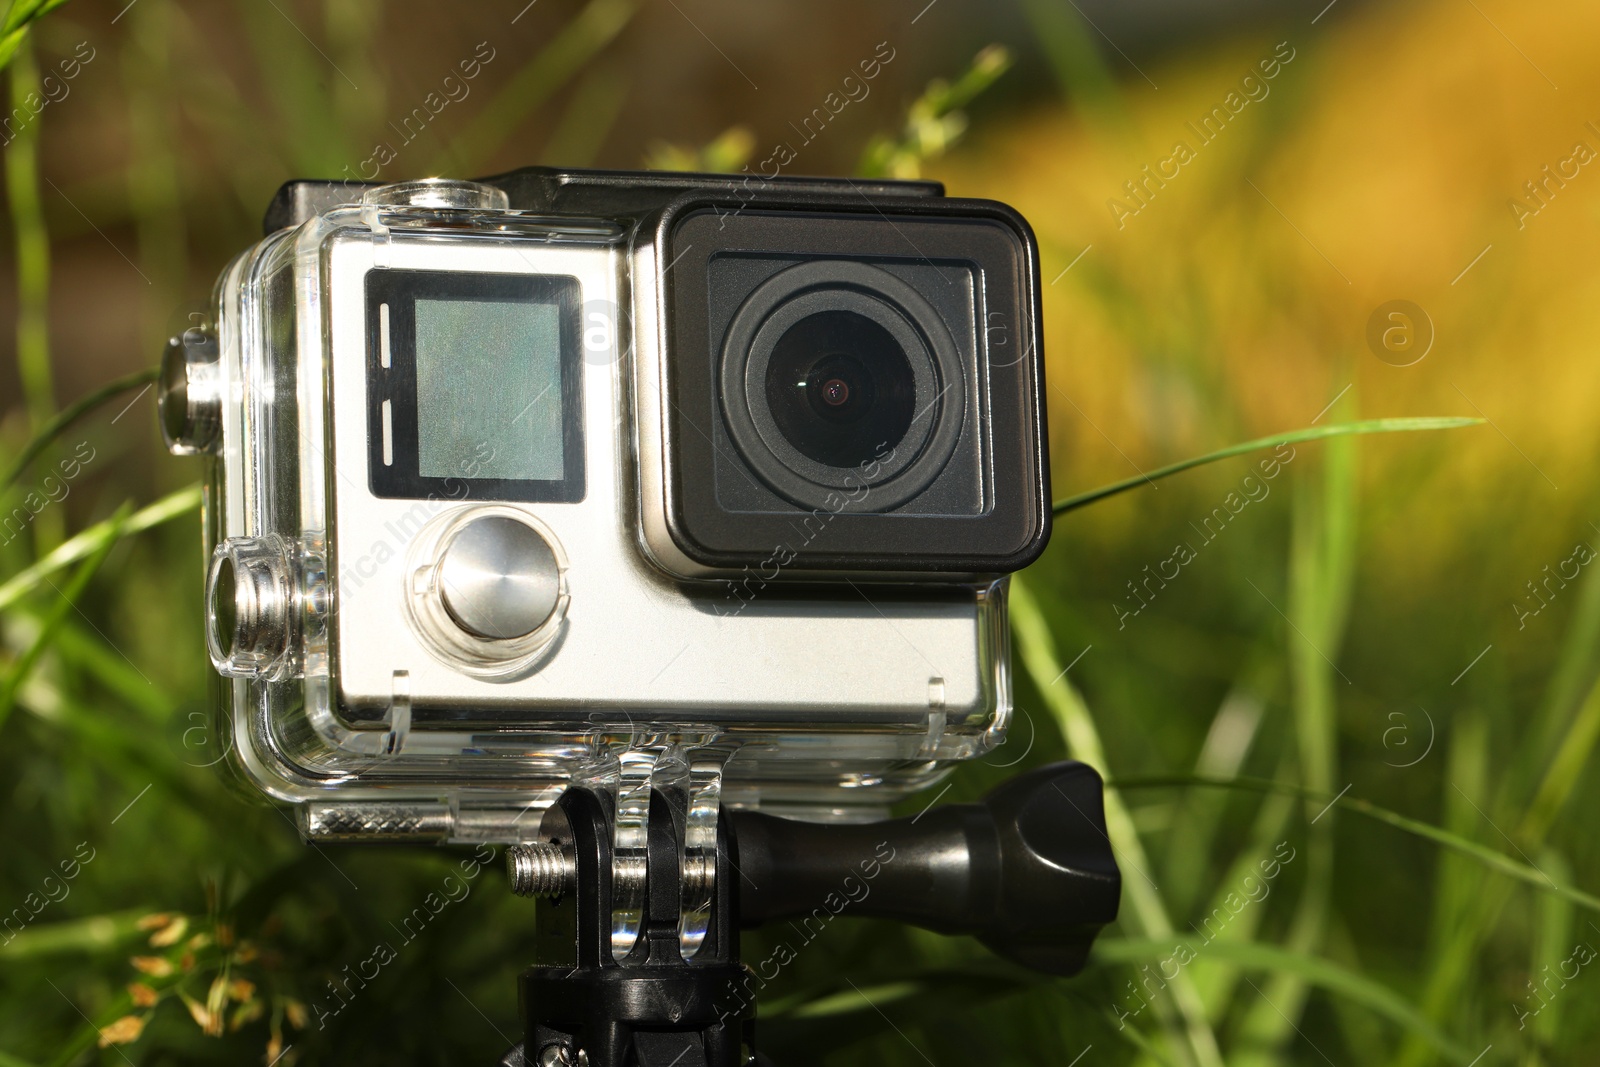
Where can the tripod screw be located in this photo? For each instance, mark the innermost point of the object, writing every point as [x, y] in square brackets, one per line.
[561, 1056]
[541, 870]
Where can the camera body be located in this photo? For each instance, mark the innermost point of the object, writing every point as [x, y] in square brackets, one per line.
[564, 476]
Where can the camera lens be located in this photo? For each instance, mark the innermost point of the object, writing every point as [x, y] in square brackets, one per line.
[840, 388]
[839, 378]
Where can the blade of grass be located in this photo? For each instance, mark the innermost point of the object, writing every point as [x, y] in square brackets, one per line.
[1360, 1031]
[302, 120]
[69, 552]
[590, 114]
[1454, 966]
[1217, 984]
[1313, 970]
[111, 533]
[1136, 1037]
[20, 15]
[1321, 562]
[155, 190]
[71, 414]
[1460, 932]
[1475, 914]
[1042, 662]
[218, 99]
[1565, 770]
[92, 934]
[21, 12]
[1522, 872]
[88, 654]
[360, 103]
[1459, 921]
[1198, 819]
[535, 81]
[32, 242]
[1551, 944]
[1311, 433]
[141, 757]
[1477, 908]
[1576, 669]
[1075, 59]
[855, 999]
[1571, 703]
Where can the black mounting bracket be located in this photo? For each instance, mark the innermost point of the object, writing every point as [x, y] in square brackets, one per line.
[1028, 871]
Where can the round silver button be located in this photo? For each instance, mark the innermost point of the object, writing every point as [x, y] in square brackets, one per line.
[498, 578]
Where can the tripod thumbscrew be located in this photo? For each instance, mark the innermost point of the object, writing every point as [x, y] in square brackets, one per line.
[541, 870]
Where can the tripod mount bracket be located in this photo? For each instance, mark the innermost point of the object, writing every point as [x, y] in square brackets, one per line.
[637, 929]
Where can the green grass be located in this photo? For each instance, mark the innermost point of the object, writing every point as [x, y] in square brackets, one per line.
[1253, 712]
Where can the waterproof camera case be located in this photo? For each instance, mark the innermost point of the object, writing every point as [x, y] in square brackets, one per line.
[576, 477]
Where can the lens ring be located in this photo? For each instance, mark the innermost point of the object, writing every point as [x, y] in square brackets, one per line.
[890, 303]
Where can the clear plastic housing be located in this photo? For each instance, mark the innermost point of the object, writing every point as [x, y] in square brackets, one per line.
[340, 703]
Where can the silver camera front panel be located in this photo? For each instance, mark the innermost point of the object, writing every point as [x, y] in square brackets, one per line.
[633, 643]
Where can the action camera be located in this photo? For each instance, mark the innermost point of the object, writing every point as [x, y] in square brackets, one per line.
[563, 477]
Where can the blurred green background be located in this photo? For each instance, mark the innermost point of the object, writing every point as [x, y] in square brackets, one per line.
[1405, 622]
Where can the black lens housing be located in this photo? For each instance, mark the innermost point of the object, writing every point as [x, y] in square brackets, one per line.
[929, 299]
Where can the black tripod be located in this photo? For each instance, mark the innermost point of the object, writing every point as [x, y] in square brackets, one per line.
[1028, 871]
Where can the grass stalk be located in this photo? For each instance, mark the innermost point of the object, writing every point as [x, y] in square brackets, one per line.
[69, 552]
[1040, 659]
[32, 244]
[1320, 571]
[1520, 871]
[552, 67]
[59, 422]
[110, 533]
[1293, 437]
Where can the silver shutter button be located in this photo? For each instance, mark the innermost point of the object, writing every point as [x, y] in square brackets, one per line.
[498, 578]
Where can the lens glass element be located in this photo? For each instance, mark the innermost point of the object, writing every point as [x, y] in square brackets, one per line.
[840, 388]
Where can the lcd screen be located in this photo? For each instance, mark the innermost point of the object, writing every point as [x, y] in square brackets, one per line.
[489, 398]
[474, 386]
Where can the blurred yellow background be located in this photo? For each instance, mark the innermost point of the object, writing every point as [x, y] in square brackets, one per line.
[1381, 165]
